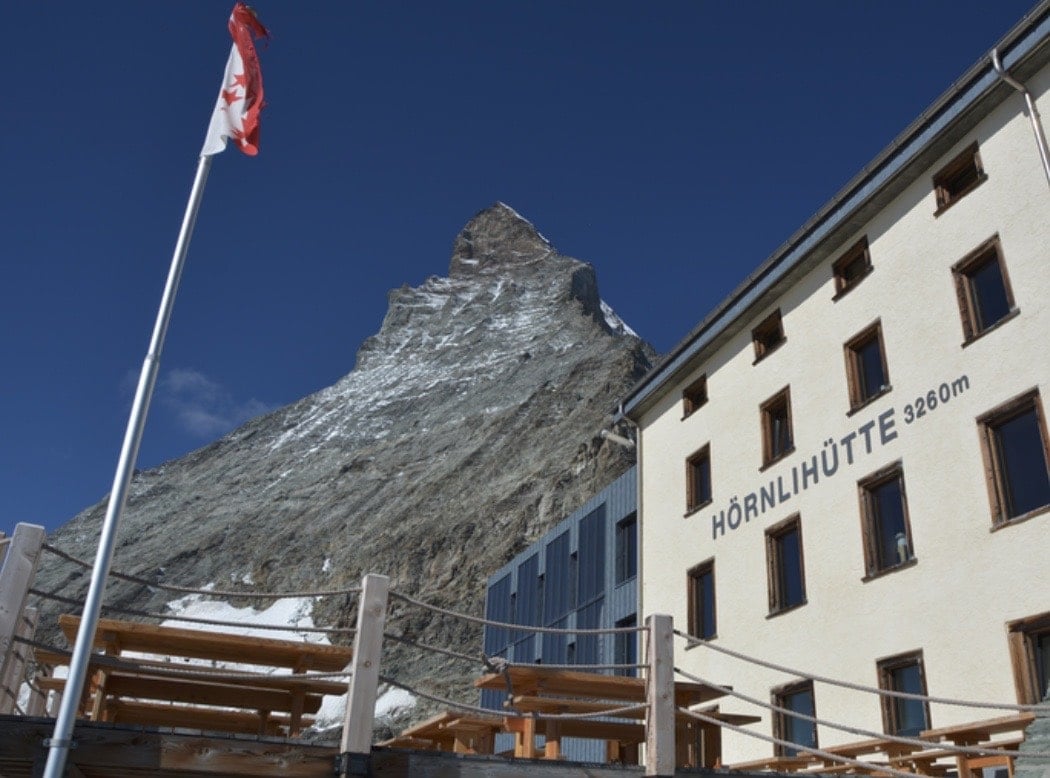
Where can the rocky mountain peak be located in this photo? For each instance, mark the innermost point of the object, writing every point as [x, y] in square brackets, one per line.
[498, 234]
[468, 426]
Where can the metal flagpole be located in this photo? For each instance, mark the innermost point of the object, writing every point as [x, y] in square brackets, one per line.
[61, 741]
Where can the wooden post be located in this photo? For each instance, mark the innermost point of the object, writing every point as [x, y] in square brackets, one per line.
[16, 576]
[364, 667]
[14, 673]
[659, 689]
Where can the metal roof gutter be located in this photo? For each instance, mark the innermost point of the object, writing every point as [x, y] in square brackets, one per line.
[972, 88]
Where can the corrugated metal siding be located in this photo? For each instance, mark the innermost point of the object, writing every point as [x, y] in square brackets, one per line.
[567, 578]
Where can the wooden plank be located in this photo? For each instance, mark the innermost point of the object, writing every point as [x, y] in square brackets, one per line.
[536, 679]
[14, 672]
[205, 693]
[976, 731]
[218, 646]
[364, 680]
[197, 718]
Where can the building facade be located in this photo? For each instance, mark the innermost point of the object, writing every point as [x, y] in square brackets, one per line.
[843, 469]
[582, 574]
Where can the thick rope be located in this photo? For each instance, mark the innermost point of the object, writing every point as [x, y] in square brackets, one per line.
[198, 619]
[208, 592]
[611, 712]
[909, 741]
[826, 755]
[860, 687]
[514, 627]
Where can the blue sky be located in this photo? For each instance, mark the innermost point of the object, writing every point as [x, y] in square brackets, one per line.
[674, 145]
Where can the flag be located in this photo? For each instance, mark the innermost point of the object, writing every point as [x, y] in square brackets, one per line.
[240, 100]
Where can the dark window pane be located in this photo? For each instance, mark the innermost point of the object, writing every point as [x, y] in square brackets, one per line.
[989, 294]
[625, 647]
[853, 270]
[706, 599]
[498, 607]
[889, 528]
[1041, 651]
[1023, 464]
[626, 549]
[591, 569]
[558, 584]
[794, 729]
[870, 373]
[790, 552]
[910, 714]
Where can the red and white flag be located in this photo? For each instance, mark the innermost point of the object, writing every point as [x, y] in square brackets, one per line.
[240, 100]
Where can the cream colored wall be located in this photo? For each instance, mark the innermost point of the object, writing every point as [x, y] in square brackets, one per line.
[968, 581]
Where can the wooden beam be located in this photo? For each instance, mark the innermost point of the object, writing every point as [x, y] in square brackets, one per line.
[364, 679]
[16, 576]
[660, 723]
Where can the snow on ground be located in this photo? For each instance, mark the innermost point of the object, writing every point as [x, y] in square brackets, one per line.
[293, 612]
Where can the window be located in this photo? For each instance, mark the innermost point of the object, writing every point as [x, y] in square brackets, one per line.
[701, 582]
[777, 440]
[698, 479]
[768, 335]
[694, 395]
[958, 178]
[884, 517]
[851, 268]
[1030, 653]
[787, 584]
[904, 673]
[627, 548]
[1014, 442]
[625, 646]
[866, 371]
[590, 568]
[983, 289]
[796, 697]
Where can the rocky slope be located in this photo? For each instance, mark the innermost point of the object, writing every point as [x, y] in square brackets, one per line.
[468, 426]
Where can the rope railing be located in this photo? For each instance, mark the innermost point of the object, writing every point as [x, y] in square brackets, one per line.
[818, 752]
[514, 627]
[908, 741]
[197, 619]
[510, 713]
[202, 591]
[695, 641]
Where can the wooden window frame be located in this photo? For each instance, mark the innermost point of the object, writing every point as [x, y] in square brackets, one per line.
[1022, 656]
[987, 424]
[772, 325]
[694, 396]
[694, 618]
[962, 273]
[866, 487]
[778, 697]
[885, 668]
[966, 163]
[694, 501]
[774, 564]
[765, 411]
[858, 251]
[852, 349]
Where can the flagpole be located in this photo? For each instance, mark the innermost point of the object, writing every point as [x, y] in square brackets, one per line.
[61, 740]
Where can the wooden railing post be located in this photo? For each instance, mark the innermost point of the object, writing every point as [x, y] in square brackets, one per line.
[14, 671]
[364, 668]
[660, 751]
[16, 576]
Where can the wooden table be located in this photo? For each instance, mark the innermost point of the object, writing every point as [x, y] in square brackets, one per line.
[451, 731]
[979, 733]
[539, 690]
[176, 693]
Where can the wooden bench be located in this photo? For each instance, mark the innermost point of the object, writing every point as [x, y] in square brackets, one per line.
[451, 731]
[980, 733]
[131, 688]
